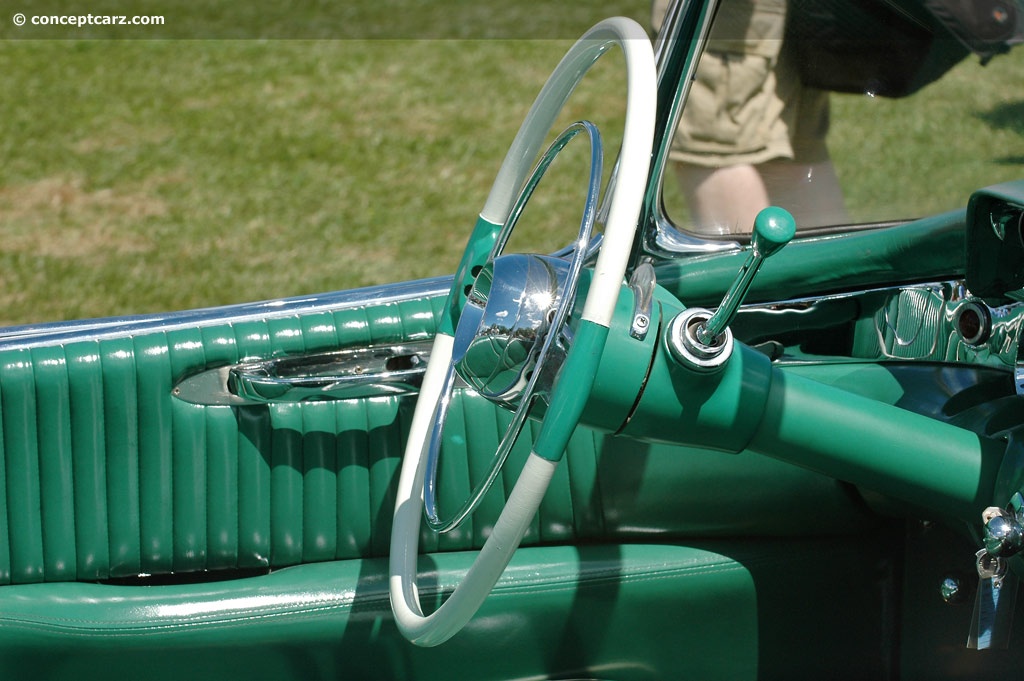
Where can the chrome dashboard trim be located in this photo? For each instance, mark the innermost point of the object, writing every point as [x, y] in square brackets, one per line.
[931, 339]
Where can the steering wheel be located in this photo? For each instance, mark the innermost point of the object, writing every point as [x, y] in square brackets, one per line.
[480, 274]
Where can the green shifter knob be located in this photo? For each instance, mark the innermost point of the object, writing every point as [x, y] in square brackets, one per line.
[774, 227]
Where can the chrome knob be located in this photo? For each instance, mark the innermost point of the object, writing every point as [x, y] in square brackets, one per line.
[1003, 534]
[952, 589]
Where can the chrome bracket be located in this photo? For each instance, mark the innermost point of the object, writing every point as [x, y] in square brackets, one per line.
[642, 284]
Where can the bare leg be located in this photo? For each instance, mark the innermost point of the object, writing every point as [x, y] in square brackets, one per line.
[810, 191]
[723, 200]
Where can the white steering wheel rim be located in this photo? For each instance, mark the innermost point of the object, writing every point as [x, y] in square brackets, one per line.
[620, 228]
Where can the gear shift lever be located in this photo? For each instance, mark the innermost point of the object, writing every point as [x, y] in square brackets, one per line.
[703, 340]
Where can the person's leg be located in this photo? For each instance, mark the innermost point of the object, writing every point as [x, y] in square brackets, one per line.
[726, 200]
[722, 200]
[810, 191]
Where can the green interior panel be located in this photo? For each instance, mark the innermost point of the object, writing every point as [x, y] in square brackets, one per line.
[144, 535]
[107, 475]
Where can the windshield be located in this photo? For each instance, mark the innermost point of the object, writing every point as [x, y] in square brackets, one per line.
[846, 113]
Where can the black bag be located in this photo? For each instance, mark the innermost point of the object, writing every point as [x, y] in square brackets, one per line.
[890, 48]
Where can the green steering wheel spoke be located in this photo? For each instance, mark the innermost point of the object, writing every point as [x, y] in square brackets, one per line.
[479, 248]
[572, 390]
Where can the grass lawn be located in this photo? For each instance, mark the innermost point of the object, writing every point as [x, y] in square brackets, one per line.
[144, 176]
[927, 153]
[152, 176]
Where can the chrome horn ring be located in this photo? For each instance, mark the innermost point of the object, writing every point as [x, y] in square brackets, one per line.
[514, 320]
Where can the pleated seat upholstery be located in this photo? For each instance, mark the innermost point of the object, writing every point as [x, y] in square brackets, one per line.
[107, 475]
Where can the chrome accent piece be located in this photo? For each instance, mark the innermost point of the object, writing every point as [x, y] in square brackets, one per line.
[642, 284]
[938, 329]
[687, 348]
[773, 228]
[951, 589]
[994, 603]
[506, 318]
[339, 375]
[665, 241]
[566, 252]
[989, 566]
[973, 321]
[684, 24]
[1004, 528]
[918, 337]
[1003, 536]
[936, 338]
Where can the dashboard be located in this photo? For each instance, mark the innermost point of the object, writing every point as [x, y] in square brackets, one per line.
[995, 243]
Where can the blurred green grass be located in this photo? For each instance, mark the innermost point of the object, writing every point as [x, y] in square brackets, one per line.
[926, 153]
[147, 176]
[150, 176]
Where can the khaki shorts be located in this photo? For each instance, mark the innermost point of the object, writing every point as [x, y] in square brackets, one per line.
[747, 104]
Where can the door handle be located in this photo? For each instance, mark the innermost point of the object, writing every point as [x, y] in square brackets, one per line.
[346, 374]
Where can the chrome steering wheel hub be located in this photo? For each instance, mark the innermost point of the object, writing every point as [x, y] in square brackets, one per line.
[500, 340]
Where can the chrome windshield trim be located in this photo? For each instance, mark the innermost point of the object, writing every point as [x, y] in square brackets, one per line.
[686, 22]
[57, 333]
[665, 240]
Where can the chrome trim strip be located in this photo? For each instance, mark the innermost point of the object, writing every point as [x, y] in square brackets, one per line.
[642, 284]
[664, 240]
[59, 333]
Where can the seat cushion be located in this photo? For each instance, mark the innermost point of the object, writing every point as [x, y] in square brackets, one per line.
[614, 611]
